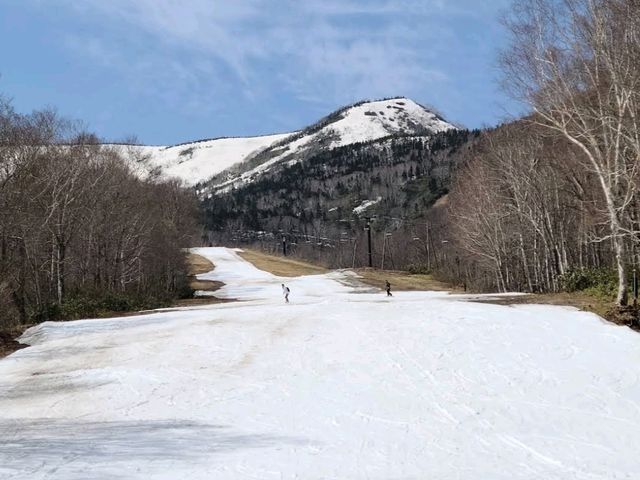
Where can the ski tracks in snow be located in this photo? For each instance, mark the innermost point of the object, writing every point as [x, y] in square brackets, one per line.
[333, 385]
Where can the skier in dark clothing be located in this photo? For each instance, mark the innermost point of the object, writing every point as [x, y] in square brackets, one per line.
[387, 286]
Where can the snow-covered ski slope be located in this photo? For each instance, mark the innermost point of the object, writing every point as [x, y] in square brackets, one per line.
[340, 384]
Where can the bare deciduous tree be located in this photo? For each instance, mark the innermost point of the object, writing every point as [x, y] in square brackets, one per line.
[575, 62]
[77, 223]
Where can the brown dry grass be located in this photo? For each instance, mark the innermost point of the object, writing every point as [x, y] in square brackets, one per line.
[580, 300]
[197, 265]
[288, 267]
[281, 266]
[401, 281]
[8, 342]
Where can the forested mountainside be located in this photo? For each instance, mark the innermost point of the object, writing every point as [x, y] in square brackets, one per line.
[390, 158]
[391, 177]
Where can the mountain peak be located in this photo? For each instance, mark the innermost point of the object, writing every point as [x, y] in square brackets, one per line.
[233, 160]
[369, 120]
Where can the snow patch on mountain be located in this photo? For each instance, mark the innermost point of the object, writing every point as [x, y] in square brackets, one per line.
[373, 120]
[197, 162]
[365, 205]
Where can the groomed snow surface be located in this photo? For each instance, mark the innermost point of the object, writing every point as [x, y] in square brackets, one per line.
[342, 383]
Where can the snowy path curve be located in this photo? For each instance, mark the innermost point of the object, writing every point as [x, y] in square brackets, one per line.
[339, 384]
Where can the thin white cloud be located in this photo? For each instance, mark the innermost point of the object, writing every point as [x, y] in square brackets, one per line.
[332, 49]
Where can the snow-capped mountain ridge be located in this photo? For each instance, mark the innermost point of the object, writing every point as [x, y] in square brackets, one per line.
[225, 162]
[359, 123]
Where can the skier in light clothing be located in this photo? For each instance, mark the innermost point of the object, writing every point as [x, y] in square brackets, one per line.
[286, 292]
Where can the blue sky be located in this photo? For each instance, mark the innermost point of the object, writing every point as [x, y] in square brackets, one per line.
[170, 71]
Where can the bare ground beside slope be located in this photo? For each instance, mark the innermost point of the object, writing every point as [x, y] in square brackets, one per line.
[289, 267]
[281, 266]
[8, 342]
[197, 265]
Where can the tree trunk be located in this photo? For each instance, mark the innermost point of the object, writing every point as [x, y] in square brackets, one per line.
[622, 298]
[61, 253]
